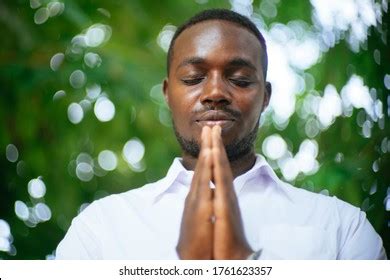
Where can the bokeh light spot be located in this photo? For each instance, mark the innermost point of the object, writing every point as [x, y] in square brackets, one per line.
[104, 109]
[356, 94]
[93, 91]
[58, 95]
[386, 81]
[84, 157]
[274, 146]
[107, 160]
[36, 188]
[85, 104]
[133, 151]
[84, 171]
[329, 106]
[42, 211]
[138, 166]
[97, 34]
[289, 168]
[5, 245]
[75, 113]
[77, 79]
[156, 93]
[243, 7]
[56, 61]
[34, 4]
[21, 210]
[92, 60]
[41, 15]
[5, 230]
[104, 12]
[165, 36]
[55, 8]
[387, 203]
[12, 153]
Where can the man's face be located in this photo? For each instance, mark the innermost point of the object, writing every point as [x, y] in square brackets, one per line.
[216, 77]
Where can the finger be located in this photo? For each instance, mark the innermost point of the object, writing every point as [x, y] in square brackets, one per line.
[222, 172]
[203, 169]
[225, 200]
[204, 176]
[204, 141]
[206, 138]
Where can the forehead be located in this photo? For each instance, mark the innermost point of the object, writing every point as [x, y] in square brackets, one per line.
[224, 38]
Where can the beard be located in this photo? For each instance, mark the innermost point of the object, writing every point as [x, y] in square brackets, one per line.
[235, 150]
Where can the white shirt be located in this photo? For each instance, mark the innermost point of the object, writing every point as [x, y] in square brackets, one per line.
[283, 221]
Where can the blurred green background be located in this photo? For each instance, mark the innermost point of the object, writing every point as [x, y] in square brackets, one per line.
[82, 114]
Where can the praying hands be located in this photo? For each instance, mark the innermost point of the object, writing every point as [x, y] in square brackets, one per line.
[211, 226]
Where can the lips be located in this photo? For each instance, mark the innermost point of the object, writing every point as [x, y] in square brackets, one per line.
[215, 117]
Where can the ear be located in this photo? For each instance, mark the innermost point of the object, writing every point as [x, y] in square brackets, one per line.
[165, 91]
[267, 95]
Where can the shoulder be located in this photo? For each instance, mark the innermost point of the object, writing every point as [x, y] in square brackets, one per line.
[95, 226]
[356, 238]
[117, 203]
[312, 200]
[333, 211]
[106, 210]
[344, 210]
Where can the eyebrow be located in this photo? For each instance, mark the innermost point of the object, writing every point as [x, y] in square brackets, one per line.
[191, 61]
[235, 62]
[241, 62]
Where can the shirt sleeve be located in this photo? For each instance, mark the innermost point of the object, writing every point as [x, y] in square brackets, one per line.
[79, 243]
[359, 239]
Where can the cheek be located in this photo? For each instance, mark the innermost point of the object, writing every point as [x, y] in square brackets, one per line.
[182, 101]
[181, 111]
[251, 108]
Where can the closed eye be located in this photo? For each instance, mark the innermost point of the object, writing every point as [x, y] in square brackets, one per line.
[241, 82]
[192, 81]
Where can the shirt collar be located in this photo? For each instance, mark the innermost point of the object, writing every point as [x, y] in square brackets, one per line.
[177, 174]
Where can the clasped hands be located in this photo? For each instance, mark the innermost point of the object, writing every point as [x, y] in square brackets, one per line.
[211, 226]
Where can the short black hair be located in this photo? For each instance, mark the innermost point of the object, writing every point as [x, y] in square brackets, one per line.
[221, 14]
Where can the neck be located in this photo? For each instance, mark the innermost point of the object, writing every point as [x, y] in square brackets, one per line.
[238, 166]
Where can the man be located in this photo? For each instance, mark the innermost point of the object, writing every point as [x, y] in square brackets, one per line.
[220, 200]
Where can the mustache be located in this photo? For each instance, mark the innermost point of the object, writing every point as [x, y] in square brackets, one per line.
[234, 113]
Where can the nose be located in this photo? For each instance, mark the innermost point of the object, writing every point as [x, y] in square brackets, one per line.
[215, 93]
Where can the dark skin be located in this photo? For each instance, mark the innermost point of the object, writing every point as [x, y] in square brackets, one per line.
[216, 92]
